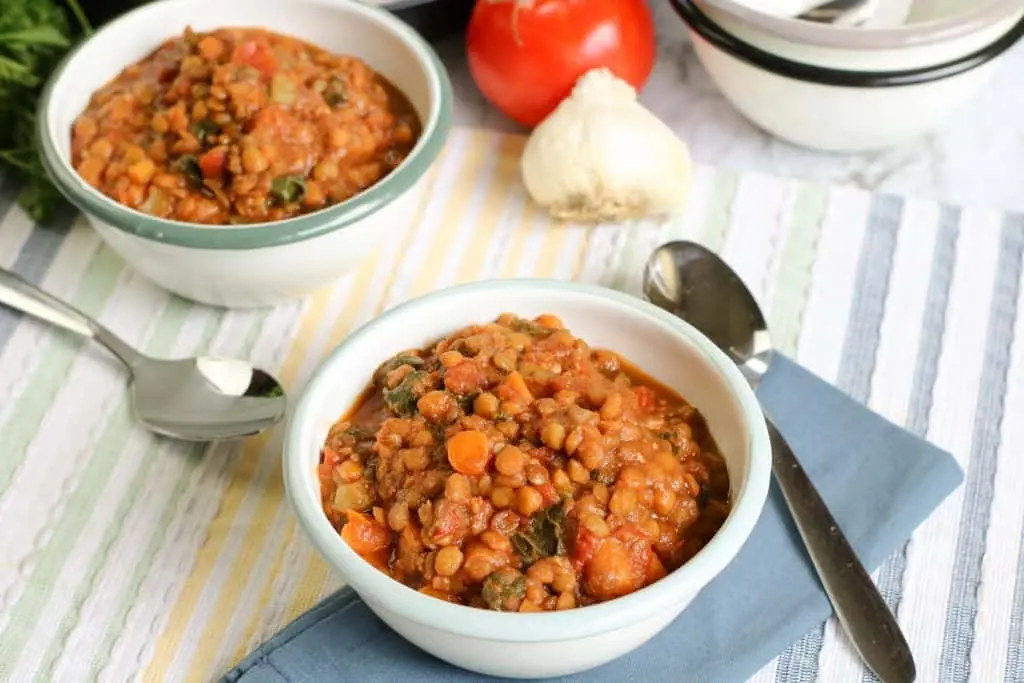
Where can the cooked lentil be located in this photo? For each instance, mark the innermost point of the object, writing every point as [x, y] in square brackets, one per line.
[512, 467]
[241, 125]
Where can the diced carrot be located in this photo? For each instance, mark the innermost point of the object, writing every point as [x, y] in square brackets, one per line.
[364, 534]
[210, 47]
[212, 163]
[469, 452]
[516, 382]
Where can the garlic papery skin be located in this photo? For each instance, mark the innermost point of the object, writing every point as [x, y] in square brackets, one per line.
[601, 157]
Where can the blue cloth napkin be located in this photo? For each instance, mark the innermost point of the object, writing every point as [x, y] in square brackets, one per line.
[880, 482]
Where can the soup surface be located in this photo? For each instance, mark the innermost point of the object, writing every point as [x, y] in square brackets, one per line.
[241, 125]
[510, 466]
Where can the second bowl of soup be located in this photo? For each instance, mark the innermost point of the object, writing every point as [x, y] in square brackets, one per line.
[243, 155]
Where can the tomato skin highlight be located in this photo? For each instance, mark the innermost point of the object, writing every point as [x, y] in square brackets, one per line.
[526, 55]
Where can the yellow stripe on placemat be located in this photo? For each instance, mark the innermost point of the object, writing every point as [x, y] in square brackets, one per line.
[310, 587]
[459, 238]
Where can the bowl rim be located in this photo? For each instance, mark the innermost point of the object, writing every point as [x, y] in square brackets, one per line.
[851, 37]
[555, 626]
[436, 129]
[705, 27]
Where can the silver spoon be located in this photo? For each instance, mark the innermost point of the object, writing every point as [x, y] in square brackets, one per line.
[841, 12]
[196, 399]
[693, 283]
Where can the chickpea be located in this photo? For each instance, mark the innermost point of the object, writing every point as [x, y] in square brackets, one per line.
[448, 560]
[510, 461]
[528, 500]
[562, 483]
[502, 497]
[505, 522]
[600, 492]
[611, 409]
[101, 148]
[528, 606]
[553, 435]
[496, 541]
[450, 359]
[565, 601]
[325, 171]
[610, 572]
[595, 525]
[591, 454]
[550, 321]
[457, 488]
[536, 474]
[416, 459]
[573, 441]
[253, 160]
[486, 405]
[577, 472]
[623, 502]
[348, 472]
[398, 516]
[437, 406]
[479, 561]
[542, 571]
[691, 484]
[505, 360]
[141, 171]
[159, 123]
[664, 501]
[314, 195]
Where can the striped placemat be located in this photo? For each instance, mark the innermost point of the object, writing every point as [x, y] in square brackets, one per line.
[124, 556]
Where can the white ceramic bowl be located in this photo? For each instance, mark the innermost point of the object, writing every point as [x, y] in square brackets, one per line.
[266, 263]
[951, 27]
[935, 32]
[842, 100]
[548, 644]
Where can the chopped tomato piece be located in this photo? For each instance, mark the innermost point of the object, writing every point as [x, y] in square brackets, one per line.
[213, 162]
[644, 397]
[583, 548]
[256, 54]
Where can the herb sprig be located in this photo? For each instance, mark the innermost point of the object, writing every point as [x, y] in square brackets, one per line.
[34, 36]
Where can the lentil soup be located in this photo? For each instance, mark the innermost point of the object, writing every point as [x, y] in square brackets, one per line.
[510, 466]
[241, 125]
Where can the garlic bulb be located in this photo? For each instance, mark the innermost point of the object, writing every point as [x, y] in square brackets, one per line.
[600, 156]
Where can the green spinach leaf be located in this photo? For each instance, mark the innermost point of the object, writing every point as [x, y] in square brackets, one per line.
[402, 399]
[544, 536]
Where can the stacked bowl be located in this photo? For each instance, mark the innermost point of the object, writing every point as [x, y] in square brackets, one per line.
[846, 88]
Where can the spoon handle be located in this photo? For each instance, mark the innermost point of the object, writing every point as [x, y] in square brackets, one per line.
[23, 296]
[868, 622]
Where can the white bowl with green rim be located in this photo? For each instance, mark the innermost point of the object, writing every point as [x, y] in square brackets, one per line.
[267, 263]
[547, 644]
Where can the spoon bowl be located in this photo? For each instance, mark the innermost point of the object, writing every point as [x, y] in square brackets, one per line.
[196, 399]
[206, 398]
[692, 282]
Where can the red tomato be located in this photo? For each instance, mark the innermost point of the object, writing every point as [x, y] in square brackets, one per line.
[526, 55]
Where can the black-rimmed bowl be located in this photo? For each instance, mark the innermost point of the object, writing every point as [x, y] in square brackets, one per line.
[854, 105]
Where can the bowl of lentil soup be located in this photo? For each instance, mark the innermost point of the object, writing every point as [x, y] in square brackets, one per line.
[244, 154]
[527, 478]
